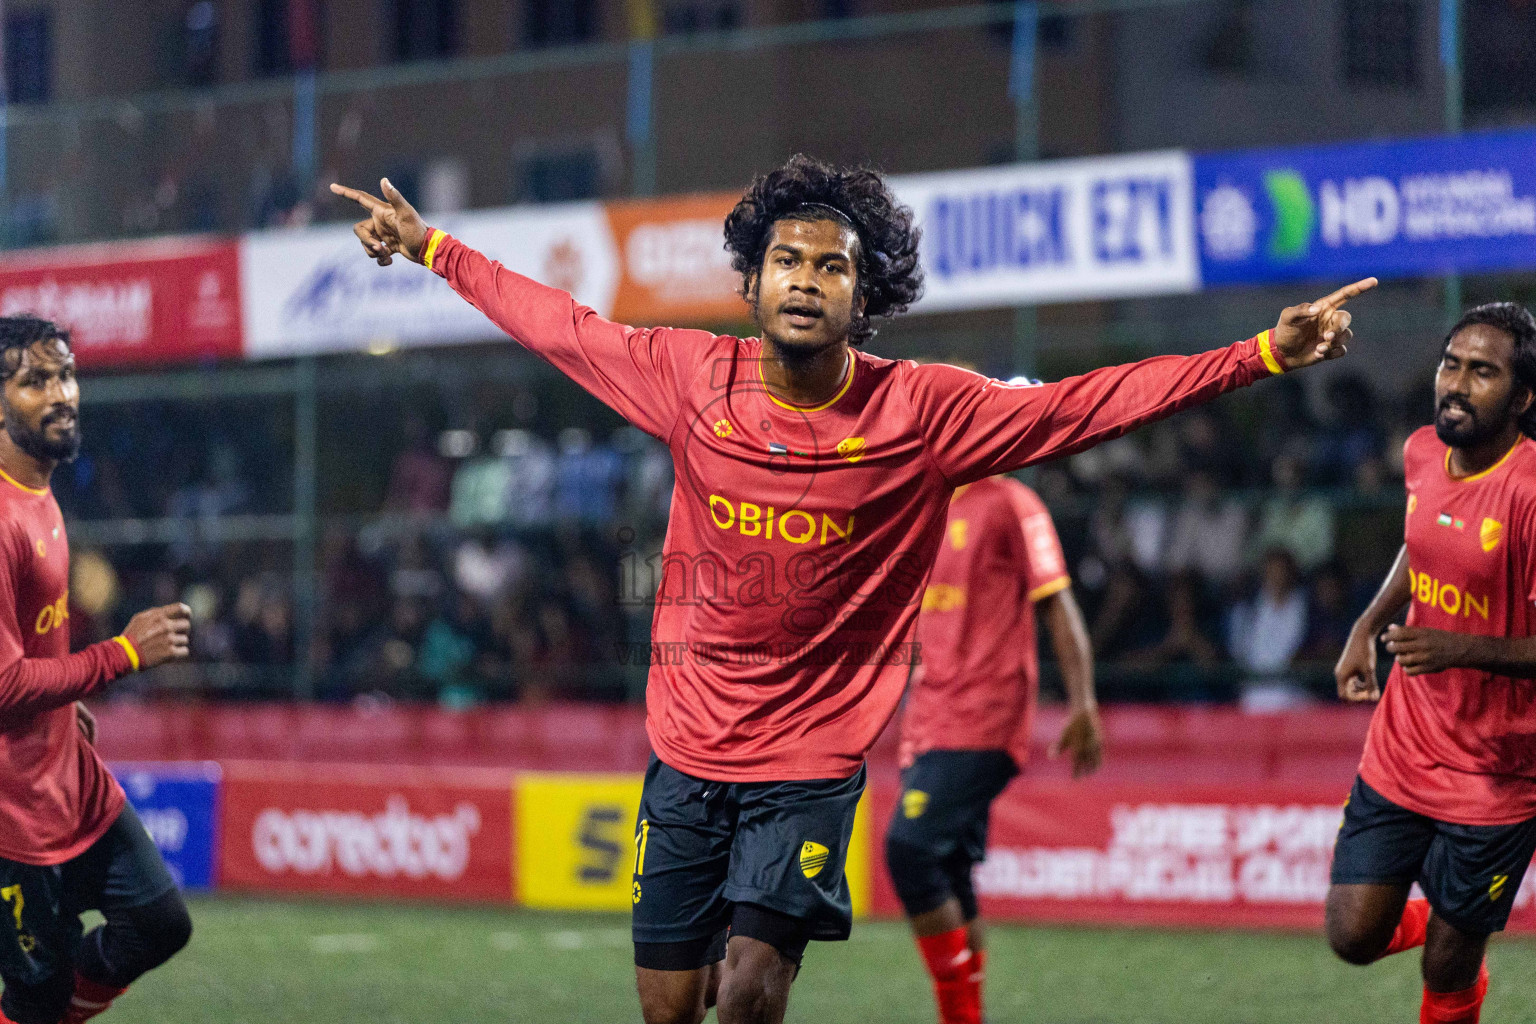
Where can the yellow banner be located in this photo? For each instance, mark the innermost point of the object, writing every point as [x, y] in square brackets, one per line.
[576, 847]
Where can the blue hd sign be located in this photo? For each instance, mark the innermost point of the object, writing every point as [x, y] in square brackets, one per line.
[1393, 209]
[178, 803]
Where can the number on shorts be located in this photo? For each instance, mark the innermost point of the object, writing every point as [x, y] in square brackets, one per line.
[640, 840]
[12, 893]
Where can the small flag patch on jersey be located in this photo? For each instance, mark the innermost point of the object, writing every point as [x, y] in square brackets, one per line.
[813, 857]
[1497, 888]
[778, 449]
[1490, 533]
[1443, 519]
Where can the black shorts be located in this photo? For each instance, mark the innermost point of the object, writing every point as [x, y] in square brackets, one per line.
[40, 907]
[1470, 873]
[702, 847]
[938, 832]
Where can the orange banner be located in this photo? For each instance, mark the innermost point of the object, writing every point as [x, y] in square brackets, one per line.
[673, 267]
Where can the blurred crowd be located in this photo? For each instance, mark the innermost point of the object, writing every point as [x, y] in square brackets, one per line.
[485, 564]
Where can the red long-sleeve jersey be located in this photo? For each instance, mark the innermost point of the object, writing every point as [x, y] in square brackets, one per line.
[801, 536]
[56, 795]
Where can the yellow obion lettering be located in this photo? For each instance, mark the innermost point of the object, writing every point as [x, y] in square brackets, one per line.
[1447, 597]
[794, 525]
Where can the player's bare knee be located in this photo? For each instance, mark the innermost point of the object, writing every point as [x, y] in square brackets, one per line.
[1452, 957]
[753, 997]
[672, 1014]
[672, 1004]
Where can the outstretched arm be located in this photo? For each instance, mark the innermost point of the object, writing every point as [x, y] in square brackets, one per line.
[978, 427]
[635, 372]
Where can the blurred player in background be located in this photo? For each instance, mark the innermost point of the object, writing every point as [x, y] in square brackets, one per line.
[1446, 795]
[970, 705]
[812, 486]
[69, 842]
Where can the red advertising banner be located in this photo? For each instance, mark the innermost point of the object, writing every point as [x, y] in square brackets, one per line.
[1208, 856]
[161, 301]
[401, 832]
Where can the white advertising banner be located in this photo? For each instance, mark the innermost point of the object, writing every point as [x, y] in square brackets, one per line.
[1002, 236]
[314, 290]
[1110, 227]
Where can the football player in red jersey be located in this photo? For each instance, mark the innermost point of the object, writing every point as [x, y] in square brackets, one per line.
[813, 481]
[966, 729]
[1446, 795]
[69, 842]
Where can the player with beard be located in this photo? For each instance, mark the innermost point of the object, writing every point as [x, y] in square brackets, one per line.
[69, 842]
[1446, 795]
[813, 480]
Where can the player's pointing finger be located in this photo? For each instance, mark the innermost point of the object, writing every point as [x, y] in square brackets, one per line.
[1346, 293]
[367, 201]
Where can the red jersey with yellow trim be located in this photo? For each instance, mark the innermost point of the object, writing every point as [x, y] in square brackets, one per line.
[800, 537]
[980, 672]
[1460, 745]
[56, 795]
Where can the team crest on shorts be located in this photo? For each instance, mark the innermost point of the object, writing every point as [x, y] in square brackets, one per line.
[1490, 533]
[813, 857]
[1497, 888]
[913, 803]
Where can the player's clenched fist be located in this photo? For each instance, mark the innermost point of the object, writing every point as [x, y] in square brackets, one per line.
[161, 634]
[393, 225]
[1356, 671]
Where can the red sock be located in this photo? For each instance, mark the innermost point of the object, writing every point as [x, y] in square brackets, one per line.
[977, 978]
[89, 999]
[1410, 930]
[950, 964]
[1464, 1007]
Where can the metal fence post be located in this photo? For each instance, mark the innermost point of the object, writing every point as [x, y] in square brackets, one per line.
[305, 574]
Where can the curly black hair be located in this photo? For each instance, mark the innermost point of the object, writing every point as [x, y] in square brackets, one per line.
[18, 333]
[888, 276]
[1516, 321]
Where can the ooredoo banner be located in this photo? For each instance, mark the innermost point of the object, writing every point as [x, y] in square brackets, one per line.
[438, 833]
[159, 301]
[1202, 856]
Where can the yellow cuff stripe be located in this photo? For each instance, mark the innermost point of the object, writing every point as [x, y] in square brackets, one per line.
[1267, 353]
[1045, 590]
[133, 655]
[434, 237]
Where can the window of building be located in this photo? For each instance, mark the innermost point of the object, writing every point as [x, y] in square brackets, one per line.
[287, 36]
[1499, 51]
[683, 16]
[1228, 47]
[1381, 42]
[201, 42]
[562, 170]
[28, 57]
[425, 29]
[559, 22]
